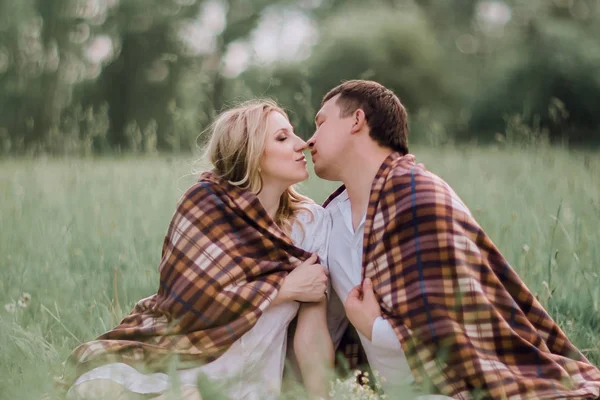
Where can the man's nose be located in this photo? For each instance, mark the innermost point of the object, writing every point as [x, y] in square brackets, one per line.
[310, 142]
[301, 145]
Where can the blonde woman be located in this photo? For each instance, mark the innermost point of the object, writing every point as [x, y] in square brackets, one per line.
[242, 257]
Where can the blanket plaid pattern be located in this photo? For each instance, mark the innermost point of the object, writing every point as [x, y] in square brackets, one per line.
[223, 262]
[467, 323]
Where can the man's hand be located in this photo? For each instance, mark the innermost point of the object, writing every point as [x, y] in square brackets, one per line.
[362, 308]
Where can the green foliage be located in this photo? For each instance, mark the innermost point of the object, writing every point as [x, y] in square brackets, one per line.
[558, 61]
[153, 72]
[395, 47]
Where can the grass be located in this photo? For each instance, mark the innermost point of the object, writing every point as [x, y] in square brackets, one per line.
[83, 238]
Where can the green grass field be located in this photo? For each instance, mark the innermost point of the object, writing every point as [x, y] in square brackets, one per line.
[83, 238]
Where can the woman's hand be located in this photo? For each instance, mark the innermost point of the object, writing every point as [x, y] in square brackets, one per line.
[306, 283]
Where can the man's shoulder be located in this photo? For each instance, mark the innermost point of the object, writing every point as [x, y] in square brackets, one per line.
[340, 195]
[413, 181]
[408, 171]
[409, 179]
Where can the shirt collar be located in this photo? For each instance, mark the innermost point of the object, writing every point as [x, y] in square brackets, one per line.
[342, 202]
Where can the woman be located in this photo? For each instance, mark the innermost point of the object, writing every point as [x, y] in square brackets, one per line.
[239, 255]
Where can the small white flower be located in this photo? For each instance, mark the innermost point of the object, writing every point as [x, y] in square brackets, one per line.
[525, 248]
[10, 307]
[570, 323]
[25, 300]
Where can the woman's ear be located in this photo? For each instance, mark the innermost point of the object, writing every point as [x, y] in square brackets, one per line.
[359, 121]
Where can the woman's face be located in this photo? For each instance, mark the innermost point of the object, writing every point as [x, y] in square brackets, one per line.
[282, 163]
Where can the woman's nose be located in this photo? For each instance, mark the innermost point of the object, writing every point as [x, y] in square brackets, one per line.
[300, 145]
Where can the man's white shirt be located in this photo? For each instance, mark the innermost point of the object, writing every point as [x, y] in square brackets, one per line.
[384, 351]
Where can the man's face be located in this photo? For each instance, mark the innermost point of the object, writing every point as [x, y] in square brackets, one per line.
[329, 143]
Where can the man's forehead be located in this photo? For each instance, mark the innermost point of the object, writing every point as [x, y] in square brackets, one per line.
[327, 107]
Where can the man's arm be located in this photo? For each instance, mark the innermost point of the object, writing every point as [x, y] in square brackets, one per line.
[384, 336]
[364, 313]
[313, 348]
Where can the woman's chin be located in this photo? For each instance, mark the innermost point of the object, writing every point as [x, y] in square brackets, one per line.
[300, 178]
[304, 176]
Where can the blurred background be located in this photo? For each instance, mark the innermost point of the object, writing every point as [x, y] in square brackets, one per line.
[103, 104]
[81, 77]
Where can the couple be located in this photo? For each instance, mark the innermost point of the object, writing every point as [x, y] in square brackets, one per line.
[430, 296]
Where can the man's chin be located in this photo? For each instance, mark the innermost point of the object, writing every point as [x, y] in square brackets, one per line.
[321, 173]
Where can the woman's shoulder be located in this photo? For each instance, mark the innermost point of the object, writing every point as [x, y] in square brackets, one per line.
[311, 219]
[311, 228]
[310, 213]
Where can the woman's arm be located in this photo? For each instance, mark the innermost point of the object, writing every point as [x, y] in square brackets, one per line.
[307, 282]
[313, 348]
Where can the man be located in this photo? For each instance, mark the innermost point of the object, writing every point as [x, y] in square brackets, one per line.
[429, 294]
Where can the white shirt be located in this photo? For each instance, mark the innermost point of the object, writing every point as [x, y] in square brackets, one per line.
[252, 367]
[384, 352]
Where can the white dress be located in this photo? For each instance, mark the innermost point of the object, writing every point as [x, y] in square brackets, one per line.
[252, 367]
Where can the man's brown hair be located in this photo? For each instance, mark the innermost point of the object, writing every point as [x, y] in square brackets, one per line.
[385, 114]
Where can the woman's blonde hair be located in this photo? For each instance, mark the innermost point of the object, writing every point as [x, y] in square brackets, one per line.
[236, 145]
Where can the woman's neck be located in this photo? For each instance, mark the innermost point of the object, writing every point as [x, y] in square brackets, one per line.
[270, 198]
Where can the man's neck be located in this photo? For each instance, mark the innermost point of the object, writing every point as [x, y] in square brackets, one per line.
[358, 179]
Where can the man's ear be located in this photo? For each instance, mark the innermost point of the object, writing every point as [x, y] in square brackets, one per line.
[359, 121]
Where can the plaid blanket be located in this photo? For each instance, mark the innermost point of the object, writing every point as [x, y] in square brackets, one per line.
[467, 323]
[223, 261]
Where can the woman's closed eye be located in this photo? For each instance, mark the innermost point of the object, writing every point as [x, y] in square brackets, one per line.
[281, 138]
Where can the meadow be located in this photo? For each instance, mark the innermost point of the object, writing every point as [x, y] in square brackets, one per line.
[80, 242]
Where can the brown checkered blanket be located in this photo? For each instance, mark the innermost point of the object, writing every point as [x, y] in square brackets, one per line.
[223, 261]
[467, 323]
